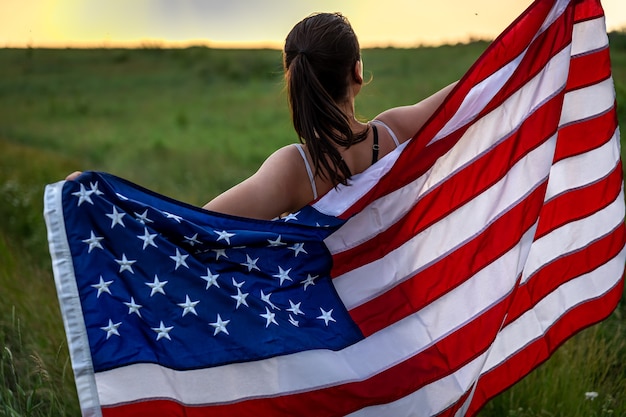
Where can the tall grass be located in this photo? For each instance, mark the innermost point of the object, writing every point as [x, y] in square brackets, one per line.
[28, 387]
[589, 364]
[35, 372]
[190, 123]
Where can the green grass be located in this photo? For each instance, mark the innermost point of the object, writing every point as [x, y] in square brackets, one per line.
[190, 123]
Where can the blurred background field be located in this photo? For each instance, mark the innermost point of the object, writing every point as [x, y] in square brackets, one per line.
[189, 123]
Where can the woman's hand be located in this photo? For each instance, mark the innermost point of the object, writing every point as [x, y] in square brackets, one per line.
[73, 176]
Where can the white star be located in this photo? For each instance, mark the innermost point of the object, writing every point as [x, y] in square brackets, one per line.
[102, 286]
[310, 280]
[220, 252]
[179, 258]
[157, 286]
[238, 284]
[291, 216]
[283, 275]
[148, 238]
[210, 279]
[94, 188]
[123, 197]
[133, 307]
[251, 263]
[193, 240]
[93, 242]
[172, 216]
[276, 242]
[297, 248]
[125, 264]
[111, 329]
[326, 316]
[162, 331]
[240, 297]
[295, 308]
[116, 218]
[294, 321]
[266, 298]
[220, 325]
[269, 316]
[83, 195]
[143, 217]
[189, 306]
[224, 235]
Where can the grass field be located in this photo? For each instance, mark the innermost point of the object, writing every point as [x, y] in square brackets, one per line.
[190, 123]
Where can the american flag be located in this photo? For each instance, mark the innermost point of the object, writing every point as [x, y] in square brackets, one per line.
[438, 278]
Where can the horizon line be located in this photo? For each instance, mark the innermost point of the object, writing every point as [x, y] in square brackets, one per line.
[153, 43]
[162, 44]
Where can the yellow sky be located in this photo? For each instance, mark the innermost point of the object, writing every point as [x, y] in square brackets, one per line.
[108, 23]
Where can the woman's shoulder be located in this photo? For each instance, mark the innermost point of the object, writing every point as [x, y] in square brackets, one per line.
[287, 169]
[284, 160]
[275, 188]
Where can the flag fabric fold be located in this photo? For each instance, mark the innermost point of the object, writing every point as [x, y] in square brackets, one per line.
[438, 278]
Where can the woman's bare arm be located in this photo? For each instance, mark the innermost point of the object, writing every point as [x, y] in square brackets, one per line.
[406, 121]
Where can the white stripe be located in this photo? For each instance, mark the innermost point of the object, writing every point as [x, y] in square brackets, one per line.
[468, 401]
[385, 212]
[478, 98]
[584, 169]
[536, 322]
[368, 281]
[69, 301]
[341, 198]
[588, 36]
[586, 102]
[431, 399]
[481, 94]
[309, 370]
[557, 10]
[573, 236]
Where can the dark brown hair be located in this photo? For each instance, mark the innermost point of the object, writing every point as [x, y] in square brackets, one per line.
[319, 58]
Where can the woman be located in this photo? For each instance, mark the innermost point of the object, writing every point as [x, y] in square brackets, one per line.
[324, 74]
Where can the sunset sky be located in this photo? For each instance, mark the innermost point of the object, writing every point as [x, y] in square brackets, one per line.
[239, 23]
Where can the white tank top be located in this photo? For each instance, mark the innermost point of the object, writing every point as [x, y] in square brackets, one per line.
[300, 148]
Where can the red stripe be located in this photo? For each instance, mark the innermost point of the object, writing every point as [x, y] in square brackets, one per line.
[457, 190]
[587, 10]
[151, 408]
[536, 352]
[585, 135]
[414, 294]
[579, 203]
[589, 69]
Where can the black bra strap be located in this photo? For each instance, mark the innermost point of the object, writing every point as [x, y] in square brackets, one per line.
[375, 147]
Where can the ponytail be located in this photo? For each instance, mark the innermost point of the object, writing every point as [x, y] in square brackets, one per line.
[317, 74]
